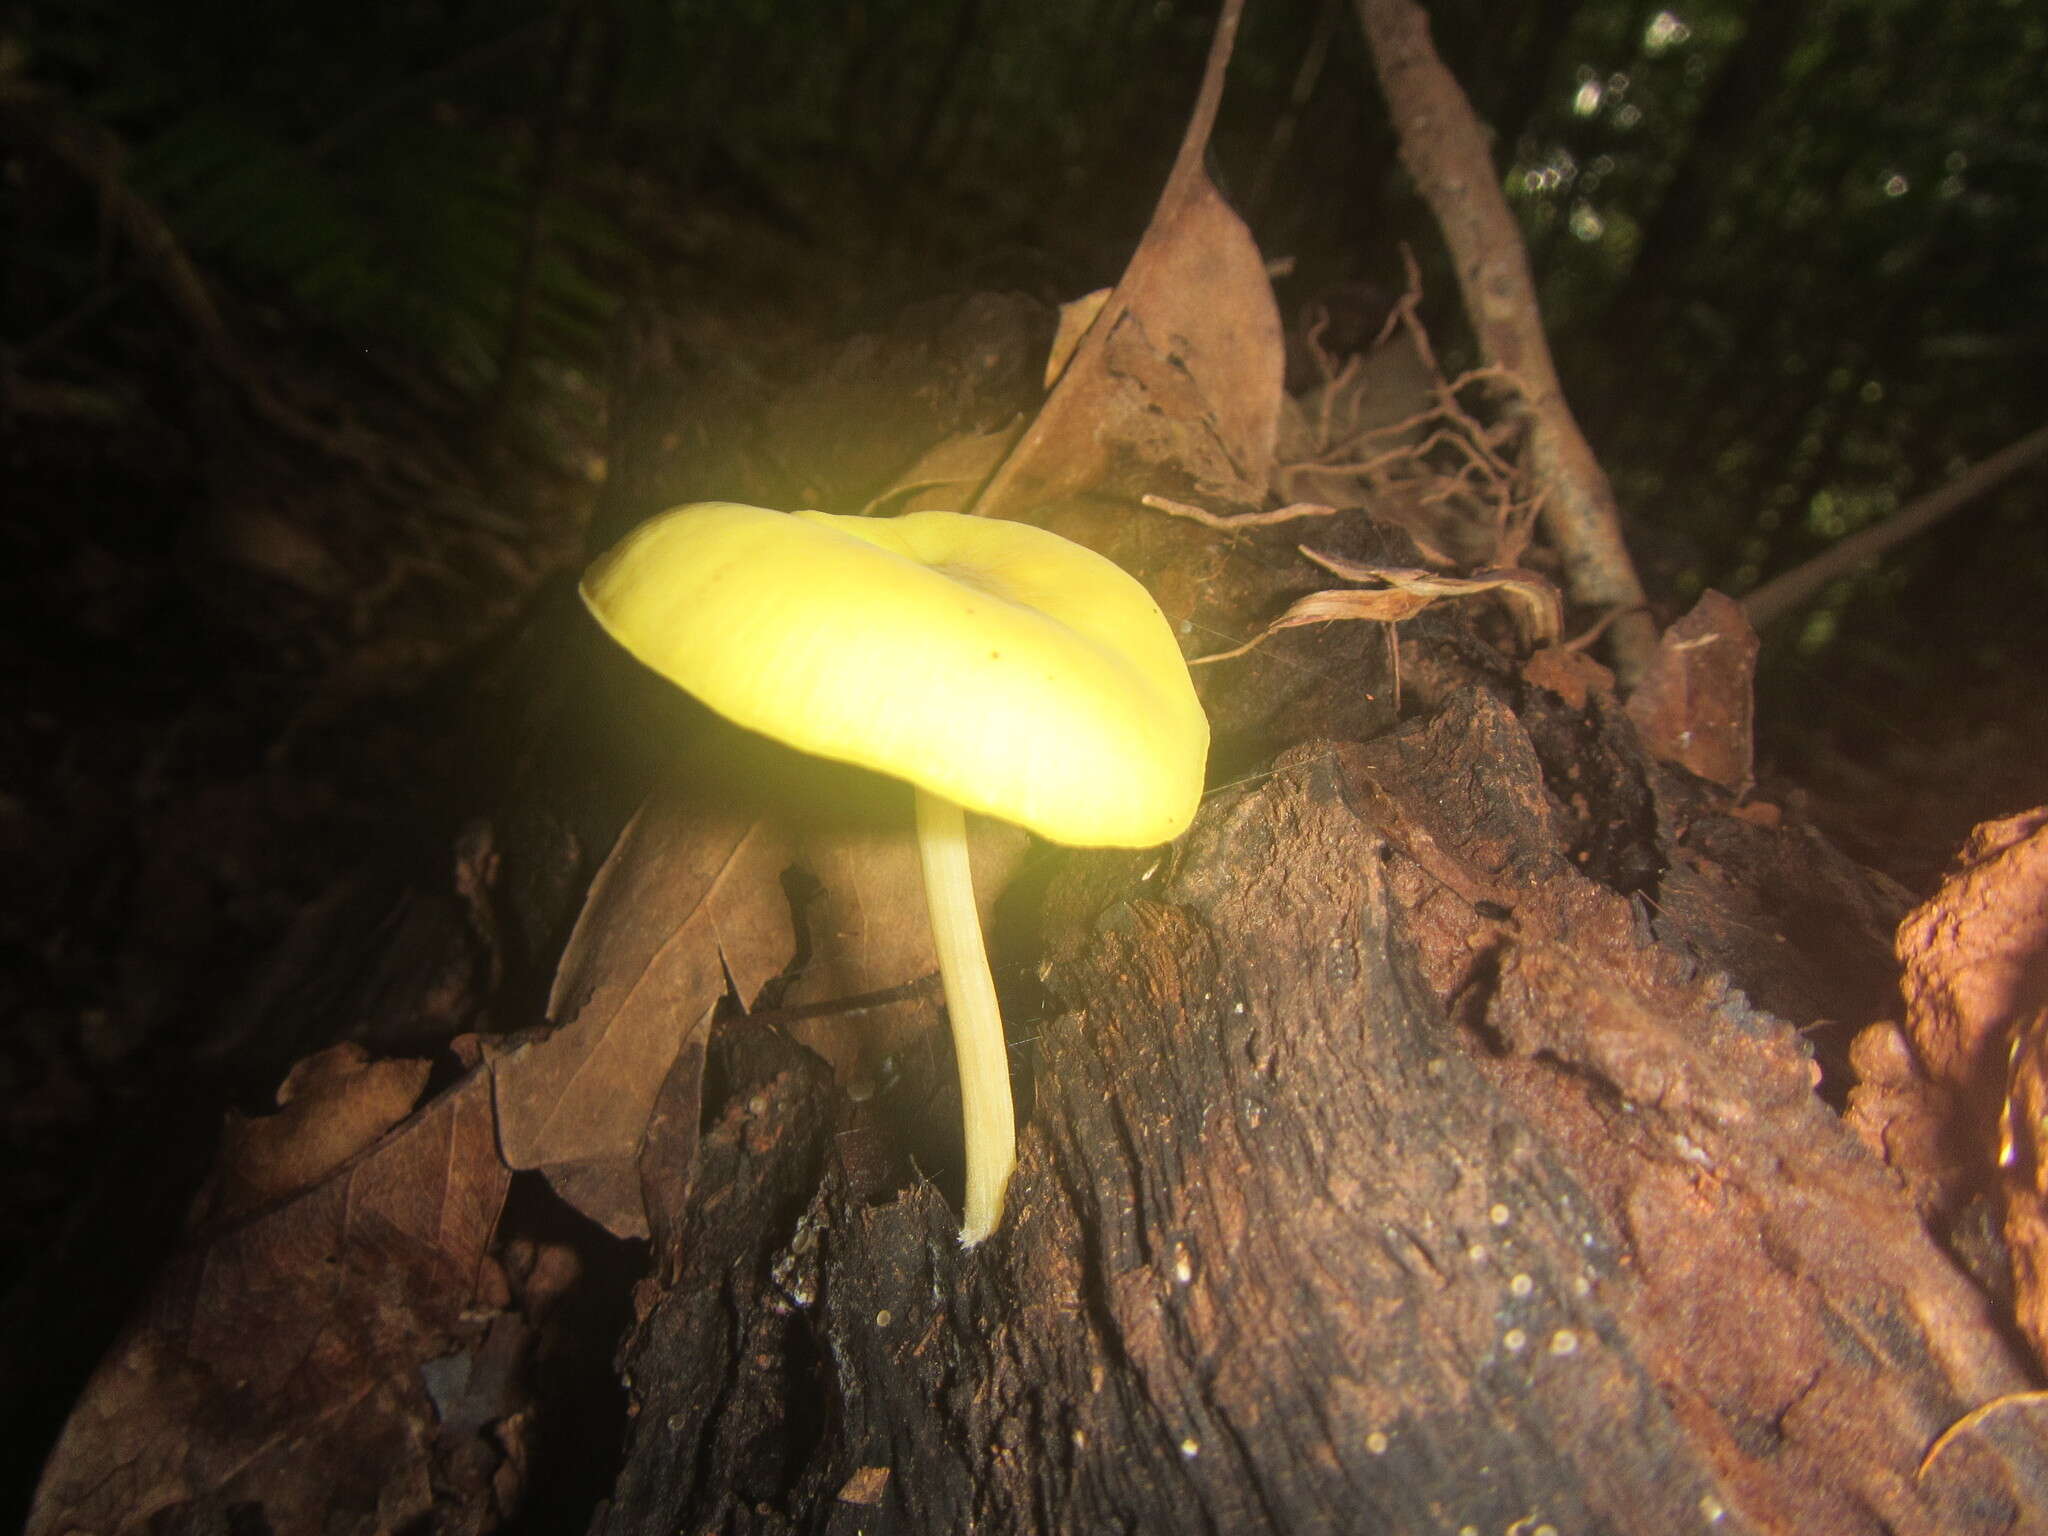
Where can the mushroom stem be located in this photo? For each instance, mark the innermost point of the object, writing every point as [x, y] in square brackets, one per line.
[986, 1113]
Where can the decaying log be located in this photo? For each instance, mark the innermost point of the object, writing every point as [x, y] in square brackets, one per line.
[1387, 1172]
[1433, 1140]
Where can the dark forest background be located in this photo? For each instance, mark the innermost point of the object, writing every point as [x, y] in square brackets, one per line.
[309, 317]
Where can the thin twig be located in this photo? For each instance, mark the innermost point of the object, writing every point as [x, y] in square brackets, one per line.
[1238, 521]
[859, 1002]
[1972, 1420]
[1782, 594]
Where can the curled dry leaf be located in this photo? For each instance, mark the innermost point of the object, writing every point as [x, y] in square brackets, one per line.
[1538, 609]
[283, 1356]
[1388, 607]
[1405, 592]
[689, 897]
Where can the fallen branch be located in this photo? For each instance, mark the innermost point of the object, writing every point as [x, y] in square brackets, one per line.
[1445, 150]
[1782, 594]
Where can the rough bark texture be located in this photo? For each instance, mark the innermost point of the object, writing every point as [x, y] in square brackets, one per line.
[1386, 1172]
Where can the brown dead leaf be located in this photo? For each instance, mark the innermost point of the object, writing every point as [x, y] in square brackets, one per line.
[609, 1190]
[277, 1371]
[1181, 372]
[947, 476]
[1076, 316]
[1696, 705]
[689, 897]
[334, 1104]
[1182, 369]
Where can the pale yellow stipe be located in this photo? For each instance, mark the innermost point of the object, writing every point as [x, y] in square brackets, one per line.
[983, 1058]
[996, 666]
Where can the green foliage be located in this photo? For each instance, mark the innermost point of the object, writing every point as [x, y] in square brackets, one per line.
[412, 238]
[1837, 301]
[294, 155]
[1855, 306]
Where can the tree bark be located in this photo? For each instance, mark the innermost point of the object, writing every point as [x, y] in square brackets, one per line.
[1387, 1171]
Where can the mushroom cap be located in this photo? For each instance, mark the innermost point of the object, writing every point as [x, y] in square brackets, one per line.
[1006, 668]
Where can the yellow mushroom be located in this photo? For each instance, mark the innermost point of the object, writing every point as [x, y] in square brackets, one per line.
[997, 667]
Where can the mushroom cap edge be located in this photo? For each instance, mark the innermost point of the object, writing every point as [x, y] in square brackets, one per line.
[1028, 677]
